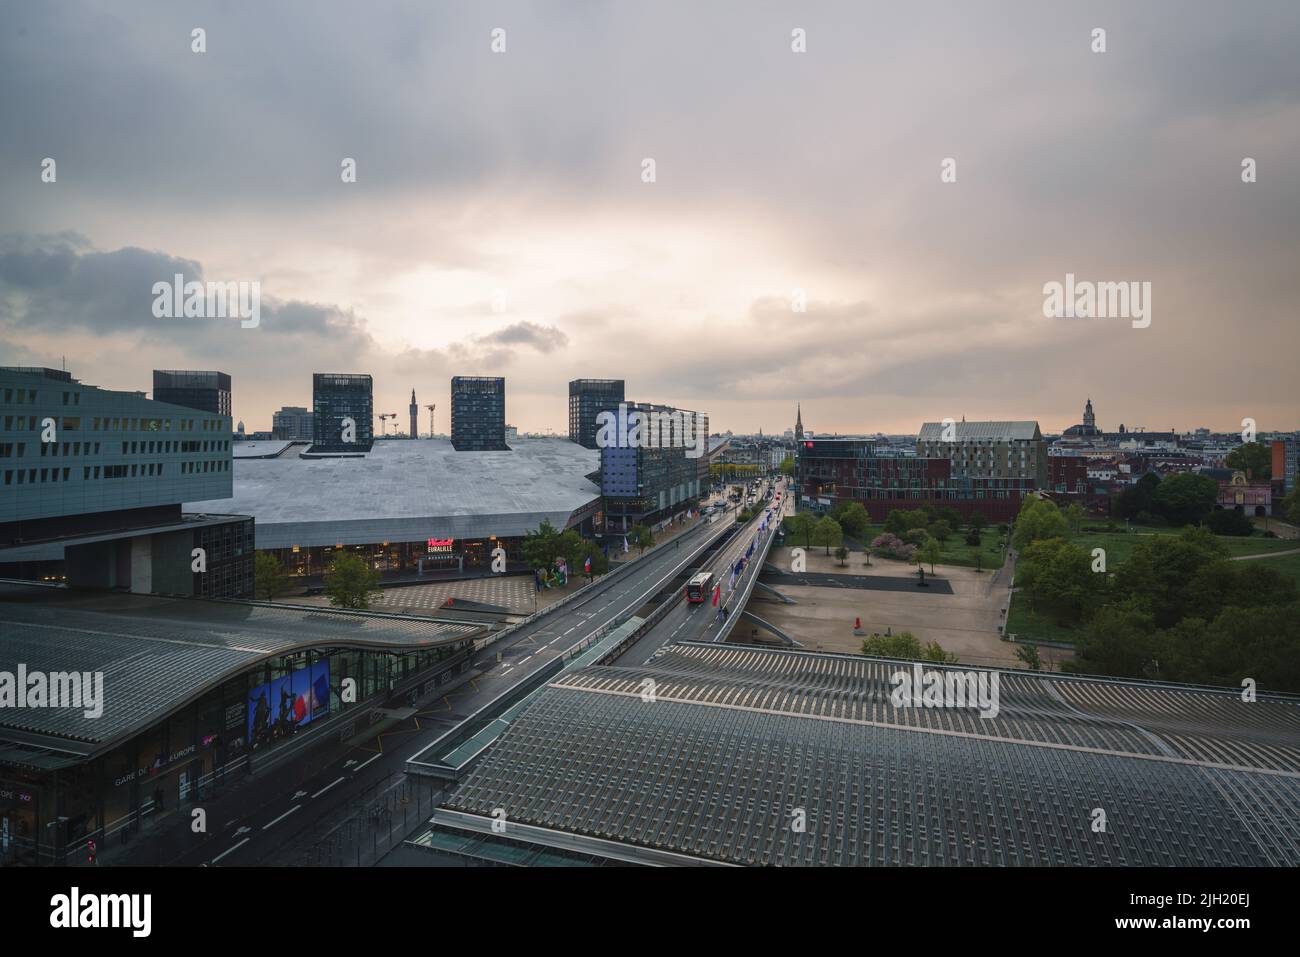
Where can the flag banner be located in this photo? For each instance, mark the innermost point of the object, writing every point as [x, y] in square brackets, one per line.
[717, 593]
[624, 543]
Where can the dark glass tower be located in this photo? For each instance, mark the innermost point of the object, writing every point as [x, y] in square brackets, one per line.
[337, 396]
[478, 414]
[204, 391]
[587, 399]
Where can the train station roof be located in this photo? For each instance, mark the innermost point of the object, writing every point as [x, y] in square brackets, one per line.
[157, 654]
[735, 743]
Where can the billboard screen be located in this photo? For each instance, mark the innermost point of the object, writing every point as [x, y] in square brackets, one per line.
[280, 707]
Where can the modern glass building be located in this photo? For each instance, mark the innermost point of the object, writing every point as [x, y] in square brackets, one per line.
[337, 396]
[644, 484]
[587, 399]
[204, 391]
[292, 422]
[91, 487]
[478, 414]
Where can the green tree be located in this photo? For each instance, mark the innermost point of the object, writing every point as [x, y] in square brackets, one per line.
[1030, 656]
[1159, 572]
[901, 520]
[269, 577]
[940, 530]
[1185, 498]
[1058, 578]
[977, 521]
[1291, 506]
[932, 651]
[853, 519]
[842, 555]
[1119, 641]
[902, 645]
[787, 466]
[930, 552]
[800, 527]
[350, 581]
[1229, 521]
[827, 532]
[1136, 499]
[541, 547]
[1038, 519]
[950, 515]
[642, 537]
[1074, 516]
[1253, 458]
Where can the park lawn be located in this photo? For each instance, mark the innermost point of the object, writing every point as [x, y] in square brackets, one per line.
[1288, 565]
[1027, 625]
[1119, 545]
[955, 551]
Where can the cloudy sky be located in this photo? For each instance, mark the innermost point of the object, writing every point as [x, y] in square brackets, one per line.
[499, 223]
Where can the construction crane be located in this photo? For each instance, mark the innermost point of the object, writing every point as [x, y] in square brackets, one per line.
[383, 421]
[431, 408]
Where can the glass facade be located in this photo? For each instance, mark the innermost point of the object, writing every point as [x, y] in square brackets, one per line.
[587, 399]
[478, 414]
[205, 391]
[338, 396]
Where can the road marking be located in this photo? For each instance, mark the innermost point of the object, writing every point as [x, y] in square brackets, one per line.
[281, 817]
[364, 763]
[325, 788]
[231, 850]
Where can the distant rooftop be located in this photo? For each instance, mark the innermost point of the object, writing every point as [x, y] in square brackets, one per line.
[409, 490]
[933, 431]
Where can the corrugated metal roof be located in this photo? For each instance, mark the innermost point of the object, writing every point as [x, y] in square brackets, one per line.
[933, 431]
[157, 653]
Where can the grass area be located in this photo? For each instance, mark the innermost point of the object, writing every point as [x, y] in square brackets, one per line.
[1026, 625]
[1119, 545]
[955, 551]
[1288, 565]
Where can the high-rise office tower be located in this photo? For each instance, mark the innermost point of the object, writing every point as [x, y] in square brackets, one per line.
[338, 397]
[415, 415]
[478, 414]
[587, 399]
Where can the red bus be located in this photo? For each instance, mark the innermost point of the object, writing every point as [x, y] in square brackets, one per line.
[700, 588]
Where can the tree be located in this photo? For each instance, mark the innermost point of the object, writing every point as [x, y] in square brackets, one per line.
[642, 537]
[1074, 516]
[842, 554]
[902, 645]
[801, 526]
[931, 651]
[1229, 521]
[901, 520]
[950, 515]
[541, 547]
[787, 466]
[973, 537]
[1136, 499]
[930, 552]
[1185, 498]
[350, 581]
[1157, 576]
[827, 532]
[1119, 641]
[1030, 656]
[1291, 506]
[1038, 519]
[977, 521]
[1057, 577]
[269, 577]
[1253, 458]
[940, 530]
[853, 518]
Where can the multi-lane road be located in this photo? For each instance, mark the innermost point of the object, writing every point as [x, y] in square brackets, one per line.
[286, 813]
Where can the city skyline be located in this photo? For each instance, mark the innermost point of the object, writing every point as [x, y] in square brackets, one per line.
[500, 224]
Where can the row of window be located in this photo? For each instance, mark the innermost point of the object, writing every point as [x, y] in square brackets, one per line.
[93, 472]
[32, 423]
[18, 449]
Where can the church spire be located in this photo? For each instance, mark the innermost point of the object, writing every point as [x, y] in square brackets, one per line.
[798, 423]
